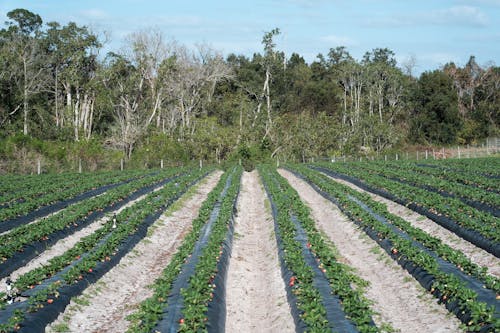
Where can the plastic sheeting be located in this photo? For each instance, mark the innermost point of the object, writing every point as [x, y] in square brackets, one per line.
[470, 235]
[421, 275]
[36, 322]
[46, 210]
[336, 317]
[172, 313]
[31, 250]
[475, 204]
[216, 313]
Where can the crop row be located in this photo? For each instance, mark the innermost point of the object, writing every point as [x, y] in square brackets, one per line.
[41, 195]
[483, 182]
[463, 215]
[486, 166]
[418, 260]
[71, 218]
[291, 217]
[199, 268]
[20, 191]
[50, 287]
[471, 195]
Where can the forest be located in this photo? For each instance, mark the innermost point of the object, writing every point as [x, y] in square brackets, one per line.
[64, 102]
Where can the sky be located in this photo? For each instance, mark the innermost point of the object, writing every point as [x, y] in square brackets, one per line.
[432, 32]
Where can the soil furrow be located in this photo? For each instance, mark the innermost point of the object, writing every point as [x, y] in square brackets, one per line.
[397, 298]
[475, 254]
[104, 306]
[66, 243]
[255, 291]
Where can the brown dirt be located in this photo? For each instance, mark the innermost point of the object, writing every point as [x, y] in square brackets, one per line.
[121, 289]
[397, 298]
[256, 298]
[475, 254]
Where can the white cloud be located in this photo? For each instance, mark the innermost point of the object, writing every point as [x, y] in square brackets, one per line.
[456, 15]
[94, 14]
[467, 15]
[339, 40]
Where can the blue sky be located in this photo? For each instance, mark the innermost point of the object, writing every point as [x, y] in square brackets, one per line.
[434, 32]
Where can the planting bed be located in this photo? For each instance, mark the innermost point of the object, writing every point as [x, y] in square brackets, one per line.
[340, 247]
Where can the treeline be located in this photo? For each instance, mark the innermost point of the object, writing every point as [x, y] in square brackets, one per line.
[61, 100]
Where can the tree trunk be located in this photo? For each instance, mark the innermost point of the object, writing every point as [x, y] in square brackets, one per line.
[25, 99]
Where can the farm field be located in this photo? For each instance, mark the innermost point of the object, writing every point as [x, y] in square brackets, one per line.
[394, 246]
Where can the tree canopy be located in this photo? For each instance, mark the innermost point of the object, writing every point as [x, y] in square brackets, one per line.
[55, 86]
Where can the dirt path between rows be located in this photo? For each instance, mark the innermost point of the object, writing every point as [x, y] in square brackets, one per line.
[397, 298]
[66, 243]
[475, 254]
[104, 305]
[255, 291]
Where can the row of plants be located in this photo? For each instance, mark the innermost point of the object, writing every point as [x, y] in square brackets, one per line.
[68, 218]
[340, 277]
[470, 179]
[150, 311]
[488, 166]
[46, 194]
[441, 186]
[463, 215]
[476, 315]
[201, 285]
[14, 189]
[456, 257]
[100, 247]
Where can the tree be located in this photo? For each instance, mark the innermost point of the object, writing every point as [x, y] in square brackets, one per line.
[23, 56]
[269, 59]
[436, 117]
[73, 62]
[126, 91]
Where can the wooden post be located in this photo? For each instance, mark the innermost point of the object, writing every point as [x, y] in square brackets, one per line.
[79, 165]
[201, 164]
[458, 149]
[444, 156]
[397, 157]
[385, 158]
[121, 164]
[433, 153]
[426, 154]
[161, 163]
[38, 167]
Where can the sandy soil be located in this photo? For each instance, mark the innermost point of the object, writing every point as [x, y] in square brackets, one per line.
[66, 243]
[256, 298]
[125, 286]
[475, 254]
[397, 298]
